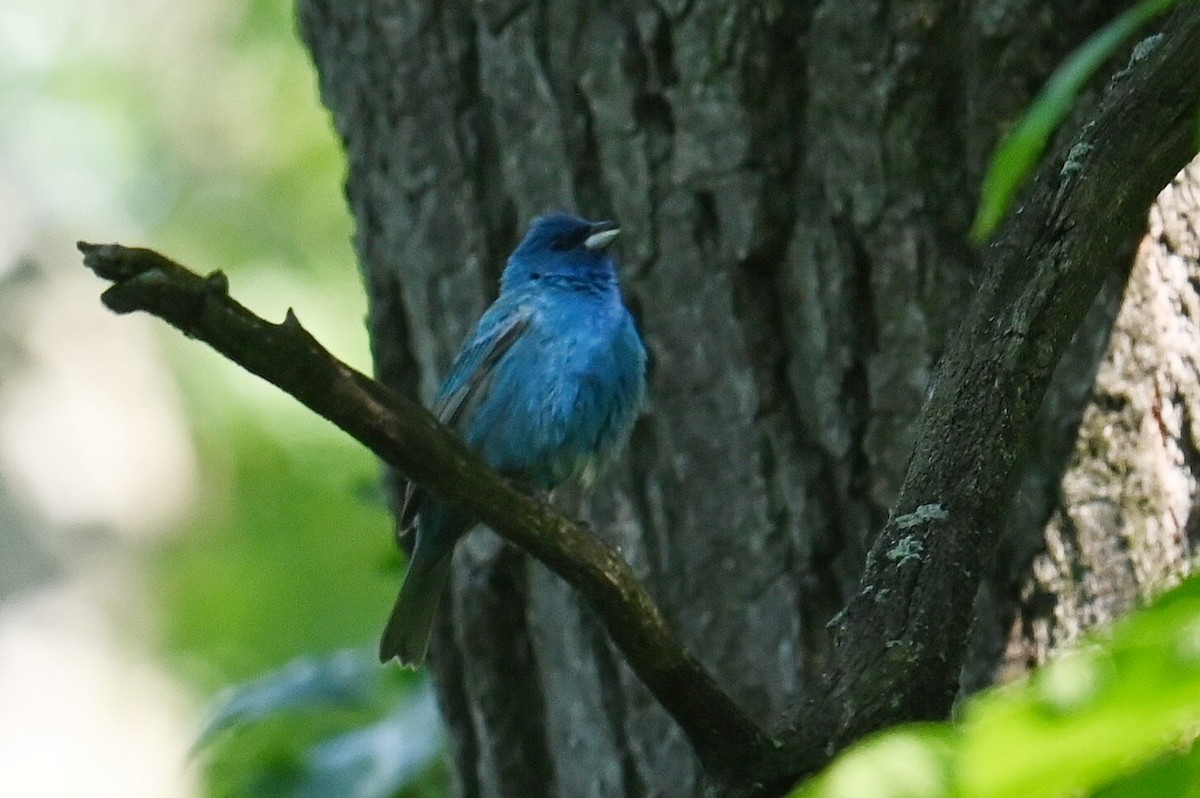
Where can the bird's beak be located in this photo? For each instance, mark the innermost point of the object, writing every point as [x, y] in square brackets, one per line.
[600, 235]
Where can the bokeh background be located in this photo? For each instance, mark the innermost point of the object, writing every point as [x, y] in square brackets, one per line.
[170, 526]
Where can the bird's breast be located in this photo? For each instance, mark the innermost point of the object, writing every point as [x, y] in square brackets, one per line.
[566, 394]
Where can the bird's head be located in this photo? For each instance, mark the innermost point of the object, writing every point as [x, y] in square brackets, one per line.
[565, 250]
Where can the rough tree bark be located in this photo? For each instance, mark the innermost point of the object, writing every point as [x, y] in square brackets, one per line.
[794, 180]
[1121, 523]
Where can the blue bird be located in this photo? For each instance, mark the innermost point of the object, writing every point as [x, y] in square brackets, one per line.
[546, 388]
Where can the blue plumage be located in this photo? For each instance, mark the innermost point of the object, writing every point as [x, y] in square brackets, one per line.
[546, 387]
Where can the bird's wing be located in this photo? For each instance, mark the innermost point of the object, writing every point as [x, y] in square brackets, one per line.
[467, 385]
[470, 376]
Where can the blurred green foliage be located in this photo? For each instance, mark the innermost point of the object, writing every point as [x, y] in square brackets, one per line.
[1116, 716]
[288, 557]
[287, 551]
[223, 157]
[325, 727]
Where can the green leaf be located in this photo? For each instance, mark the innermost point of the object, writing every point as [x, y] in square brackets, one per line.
[1020, 151]
[1093, 714]
[912, 762]
[1176, 776]
[348, 679]
[375, 761]
[1112, 715]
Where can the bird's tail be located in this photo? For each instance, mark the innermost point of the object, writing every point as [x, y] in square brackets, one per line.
[406, 636]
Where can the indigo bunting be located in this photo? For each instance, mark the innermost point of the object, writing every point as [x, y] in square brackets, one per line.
[546, 387]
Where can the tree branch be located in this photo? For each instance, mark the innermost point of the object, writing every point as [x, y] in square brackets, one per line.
[899, 643]
[402, 433]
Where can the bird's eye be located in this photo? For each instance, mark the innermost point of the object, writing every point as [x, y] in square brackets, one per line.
[535, 275]
[569, 240]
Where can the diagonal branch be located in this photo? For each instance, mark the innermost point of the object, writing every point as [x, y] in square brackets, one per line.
[405, 435]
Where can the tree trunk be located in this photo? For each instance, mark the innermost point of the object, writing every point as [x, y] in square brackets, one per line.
[1121, 525]
[794, 181]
